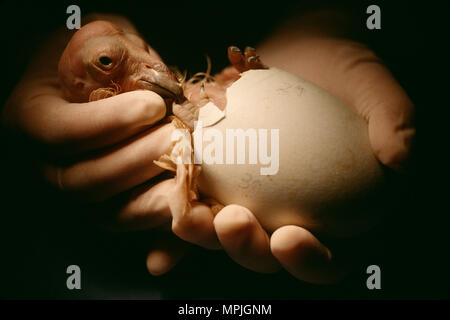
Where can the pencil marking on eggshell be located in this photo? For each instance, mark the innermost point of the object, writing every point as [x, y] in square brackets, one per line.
[326, 164]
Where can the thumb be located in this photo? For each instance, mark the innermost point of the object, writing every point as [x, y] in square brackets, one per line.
[388, 110]
[352, 72]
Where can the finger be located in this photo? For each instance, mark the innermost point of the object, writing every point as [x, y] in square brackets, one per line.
[114, 171]
[302, 255]
[197, 227]
[71, 128]
[367, 85]
[389, 111]
[143, 208]
[167, 251]
[244, 240]
[354, 73]
[192, 221]
[237, 59]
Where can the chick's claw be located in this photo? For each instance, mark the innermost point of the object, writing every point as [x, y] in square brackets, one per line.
[248, 60]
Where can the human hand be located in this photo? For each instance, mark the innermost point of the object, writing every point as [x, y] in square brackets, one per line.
[96, 141]
[100, 151]
[352, 72]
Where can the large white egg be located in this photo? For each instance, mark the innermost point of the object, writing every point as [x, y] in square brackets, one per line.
[326, 173]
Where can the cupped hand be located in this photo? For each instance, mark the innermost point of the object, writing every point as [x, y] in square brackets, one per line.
[103, 151]
[106, 147]
[100, 151]
[355, 74]
[96, 149]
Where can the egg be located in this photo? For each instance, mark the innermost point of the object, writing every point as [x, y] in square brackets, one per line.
[291, 152]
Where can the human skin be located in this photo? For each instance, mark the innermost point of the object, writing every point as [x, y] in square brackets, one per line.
[293, 49]
[101, 61]
[107, 147]
[315, 47]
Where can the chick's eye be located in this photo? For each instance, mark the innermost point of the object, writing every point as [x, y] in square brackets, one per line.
[106, 61]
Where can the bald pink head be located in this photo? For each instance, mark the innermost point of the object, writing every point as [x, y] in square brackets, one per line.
[101, 56]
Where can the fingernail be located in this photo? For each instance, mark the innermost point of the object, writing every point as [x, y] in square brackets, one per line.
[235, 49]
[248, 48]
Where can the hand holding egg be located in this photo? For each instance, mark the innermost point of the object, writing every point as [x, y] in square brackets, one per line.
[353, 73]
[289, 204]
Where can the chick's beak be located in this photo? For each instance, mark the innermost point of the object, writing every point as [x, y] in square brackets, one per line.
[158, 78]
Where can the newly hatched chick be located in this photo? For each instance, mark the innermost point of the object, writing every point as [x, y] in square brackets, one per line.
[101, 61]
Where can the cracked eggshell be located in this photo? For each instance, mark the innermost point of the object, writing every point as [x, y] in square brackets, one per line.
[327, 172]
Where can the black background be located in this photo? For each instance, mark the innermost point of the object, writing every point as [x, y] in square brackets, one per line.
[41, 235]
